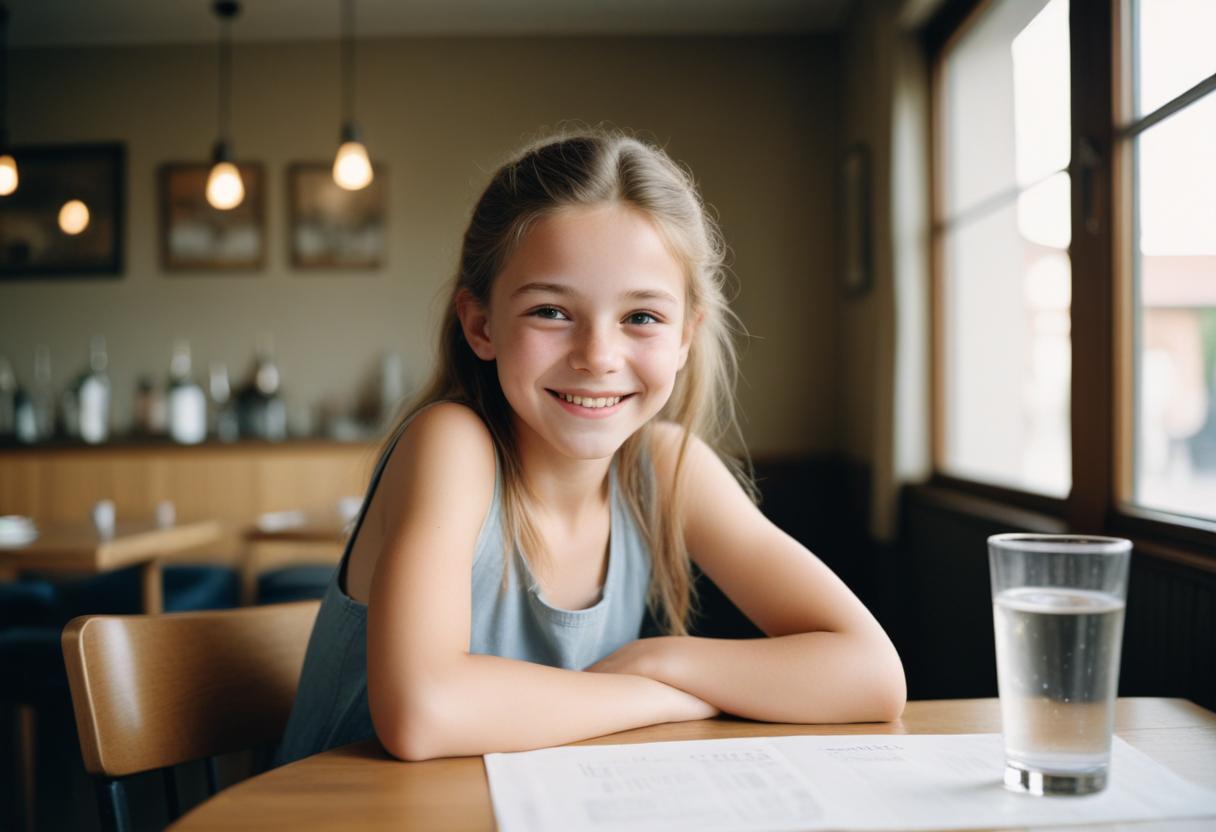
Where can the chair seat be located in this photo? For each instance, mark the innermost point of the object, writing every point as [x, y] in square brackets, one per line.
[187, 587]
[33, 612]
[294, 583]
[27, 602]
[31, 665]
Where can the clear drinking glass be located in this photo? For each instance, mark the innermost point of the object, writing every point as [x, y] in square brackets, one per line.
[1057, 608]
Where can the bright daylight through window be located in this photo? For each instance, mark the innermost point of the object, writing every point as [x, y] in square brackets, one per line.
[1004, 229]
[1174, 261]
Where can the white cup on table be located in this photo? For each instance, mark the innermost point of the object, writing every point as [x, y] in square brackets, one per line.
[166, 514]
[103, 518]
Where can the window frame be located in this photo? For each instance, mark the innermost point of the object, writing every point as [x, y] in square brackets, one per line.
[1102, 385]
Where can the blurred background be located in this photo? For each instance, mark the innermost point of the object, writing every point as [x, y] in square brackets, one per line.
[974, 246]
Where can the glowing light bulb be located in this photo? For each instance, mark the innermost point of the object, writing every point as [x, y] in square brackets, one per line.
[352, 168]
[225, 190]
[8, 175]
[73, 217]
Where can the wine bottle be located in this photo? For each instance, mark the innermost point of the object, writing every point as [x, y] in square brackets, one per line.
[93, 395]
[261, 411]
[187, 404]
[42, 395]
[224, 426]
[8, 401]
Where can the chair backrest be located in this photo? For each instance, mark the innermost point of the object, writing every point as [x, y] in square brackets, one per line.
[151, 691]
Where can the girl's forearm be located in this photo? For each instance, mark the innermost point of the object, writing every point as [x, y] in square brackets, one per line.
[801, 678]
[488, 703]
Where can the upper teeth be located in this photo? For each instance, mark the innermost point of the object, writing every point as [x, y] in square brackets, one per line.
[589, 402]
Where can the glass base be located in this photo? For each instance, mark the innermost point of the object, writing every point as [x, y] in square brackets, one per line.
[1043, 783]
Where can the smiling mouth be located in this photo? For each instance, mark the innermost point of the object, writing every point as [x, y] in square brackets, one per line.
[590, 402]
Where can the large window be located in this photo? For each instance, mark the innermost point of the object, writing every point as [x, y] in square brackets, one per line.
[1075, 257]
[1004, 230]
[1174, 256]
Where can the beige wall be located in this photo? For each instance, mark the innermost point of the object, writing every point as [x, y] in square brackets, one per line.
[755, 118]
[883, 373]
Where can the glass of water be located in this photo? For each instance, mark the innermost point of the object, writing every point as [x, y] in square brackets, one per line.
[1057, 608]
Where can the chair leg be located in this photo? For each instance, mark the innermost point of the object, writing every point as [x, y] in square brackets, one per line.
[112, 806]
[27, 747]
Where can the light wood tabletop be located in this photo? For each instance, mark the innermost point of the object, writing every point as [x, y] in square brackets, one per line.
[359, 786]
[80, 549]
[299, 527]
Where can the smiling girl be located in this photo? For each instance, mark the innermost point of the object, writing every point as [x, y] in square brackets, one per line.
[554, 483]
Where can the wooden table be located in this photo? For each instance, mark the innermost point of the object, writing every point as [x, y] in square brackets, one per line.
[312, 537]
[359, 787]
[77, 549]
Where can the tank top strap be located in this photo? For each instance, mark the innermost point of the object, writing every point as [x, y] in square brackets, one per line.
[374, 483]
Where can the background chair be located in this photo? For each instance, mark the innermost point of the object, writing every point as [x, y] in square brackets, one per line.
[33, 684]
[152, 691]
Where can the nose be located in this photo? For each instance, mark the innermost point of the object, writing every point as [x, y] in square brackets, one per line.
[597, 349]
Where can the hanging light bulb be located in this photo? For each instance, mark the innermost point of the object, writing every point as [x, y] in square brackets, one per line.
[225, 190]
[9, 178]
[352, 168]
[73, 217]
[8, 175]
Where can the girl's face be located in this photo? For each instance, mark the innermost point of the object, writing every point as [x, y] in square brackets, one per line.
[587, 325]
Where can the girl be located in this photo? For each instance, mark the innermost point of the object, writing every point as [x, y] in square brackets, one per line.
[550, 486]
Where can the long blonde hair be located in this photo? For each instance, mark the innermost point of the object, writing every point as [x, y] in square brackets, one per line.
[588, 168]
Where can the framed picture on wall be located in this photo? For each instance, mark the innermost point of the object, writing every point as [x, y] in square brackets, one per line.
[855, 204]
[197, 237]
[65, 216]
[333, 228]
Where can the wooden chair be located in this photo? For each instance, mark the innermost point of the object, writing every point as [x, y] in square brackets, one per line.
[152, 691]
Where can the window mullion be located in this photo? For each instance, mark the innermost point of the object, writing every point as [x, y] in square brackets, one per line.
[1092, 394]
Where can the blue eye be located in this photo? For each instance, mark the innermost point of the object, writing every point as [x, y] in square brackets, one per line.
[549, 313]
[642, 318]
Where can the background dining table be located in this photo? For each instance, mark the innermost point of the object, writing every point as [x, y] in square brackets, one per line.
[81, 549]
[291, 537]
[359, 786]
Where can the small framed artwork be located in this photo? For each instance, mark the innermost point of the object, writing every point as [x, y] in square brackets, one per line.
[855, 203]
[333, 228]
[197, 237]
[65, 216]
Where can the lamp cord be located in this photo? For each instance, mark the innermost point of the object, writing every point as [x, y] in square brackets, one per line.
[3, 76]
[223, 114]
[348, 60]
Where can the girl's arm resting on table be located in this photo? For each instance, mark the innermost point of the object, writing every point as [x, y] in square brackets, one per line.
[826, 659]
[802, 677]
[483, 703]
[427, 695]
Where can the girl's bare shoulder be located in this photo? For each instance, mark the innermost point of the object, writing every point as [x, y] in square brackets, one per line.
[445, 447]
[665, 440]
[702, 465]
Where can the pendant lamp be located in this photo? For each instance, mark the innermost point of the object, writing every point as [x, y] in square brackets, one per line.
[352, 168]
[225, 190]
[8, 165]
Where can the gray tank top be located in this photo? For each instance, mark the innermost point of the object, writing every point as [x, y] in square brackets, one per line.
[331, 708]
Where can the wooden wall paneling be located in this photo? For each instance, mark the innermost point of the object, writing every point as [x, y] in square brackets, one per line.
[1169, 636]
[74, 483]
[20, 485]
[232, 484]
[312, 481]
[133, 489]
[948, 600]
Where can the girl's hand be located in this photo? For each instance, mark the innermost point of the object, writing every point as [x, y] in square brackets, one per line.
[643, 657]
[646, 657]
